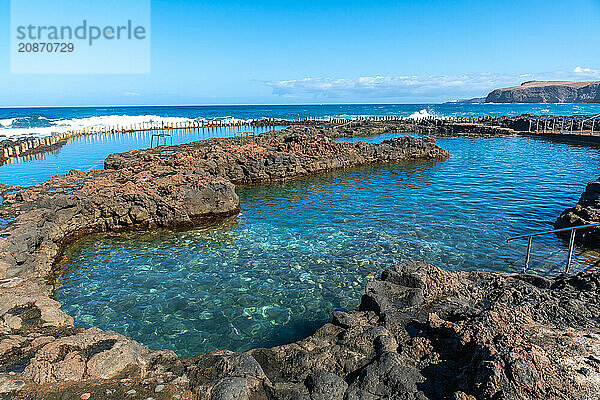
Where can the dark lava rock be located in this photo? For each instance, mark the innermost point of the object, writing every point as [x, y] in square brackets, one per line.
[586, 211]
[325, 386]
[42, 354]
[419, 333]
[465, 335]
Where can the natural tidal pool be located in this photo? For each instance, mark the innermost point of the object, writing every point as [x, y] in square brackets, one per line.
[89, 152]
[301, 249]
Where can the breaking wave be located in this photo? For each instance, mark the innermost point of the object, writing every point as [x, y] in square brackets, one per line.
[39, 126]
[420, 114]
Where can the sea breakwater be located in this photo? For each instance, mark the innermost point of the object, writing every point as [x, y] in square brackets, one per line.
[580, 127]
[21, 147]
[178, 187]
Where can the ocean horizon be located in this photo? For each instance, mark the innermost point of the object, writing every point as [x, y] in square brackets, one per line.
[44, 121]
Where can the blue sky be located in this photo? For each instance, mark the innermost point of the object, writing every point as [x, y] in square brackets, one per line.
[274, 52]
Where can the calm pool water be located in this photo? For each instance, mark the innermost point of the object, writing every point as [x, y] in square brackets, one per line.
[89, 152]
[303, 248]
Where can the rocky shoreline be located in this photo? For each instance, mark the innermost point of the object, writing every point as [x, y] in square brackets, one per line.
[419, 333]
[146, 189]
[586, 211]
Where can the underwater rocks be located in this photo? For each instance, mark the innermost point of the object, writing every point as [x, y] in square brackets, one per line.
[44, 355]
[419, 333]
[586, 211]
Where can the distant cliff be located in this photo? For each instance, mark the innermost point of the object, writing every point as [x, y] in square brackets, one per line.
[548, 92]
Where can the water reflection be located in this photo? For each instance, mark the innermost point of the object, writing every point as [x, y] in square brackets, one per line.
[89, 152]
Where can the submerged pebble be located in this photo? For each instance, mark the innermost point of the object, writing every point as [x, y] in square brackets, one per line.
[303, 248]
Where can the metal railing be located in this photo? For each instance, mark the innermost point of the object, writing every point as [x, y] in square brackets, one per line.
[573, 229]
[244, 133]
[158, 135]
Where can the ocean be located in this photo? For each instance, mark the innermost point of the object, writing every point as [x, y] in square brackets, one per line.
[45, 121]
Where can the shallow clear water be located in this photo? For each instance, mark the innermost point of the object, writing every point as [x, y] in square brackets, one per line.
[89, 152]
[5, 221]
[303, 248]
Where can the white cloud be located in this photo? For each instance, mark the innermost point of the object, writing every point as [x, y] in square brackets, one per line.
[587, 72]
[414, 87]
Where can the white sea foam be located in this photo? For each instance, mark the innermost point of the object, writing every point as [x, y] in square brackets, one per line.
[96, 122]
[420, 114]
[7, 122]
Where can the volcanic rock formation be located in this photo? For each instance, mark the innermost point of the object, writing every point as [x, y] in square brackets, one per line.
[547, 92]
[420, 332]
[586, 211]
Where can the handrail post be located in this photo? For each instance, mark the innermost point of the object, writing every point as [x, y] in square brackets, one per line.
[528, 253]
[572, 230]
[571, 245]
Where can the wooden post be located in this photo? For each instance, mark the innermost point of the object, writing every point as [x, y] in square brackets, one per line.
[572, 122]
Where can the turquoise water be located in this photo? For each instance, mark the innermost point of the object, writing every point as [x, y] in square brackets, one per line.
[90, 152]
[303, 248]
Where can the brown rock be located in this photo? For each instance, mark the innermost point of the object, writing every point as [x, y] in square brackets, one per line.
[586, 211]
